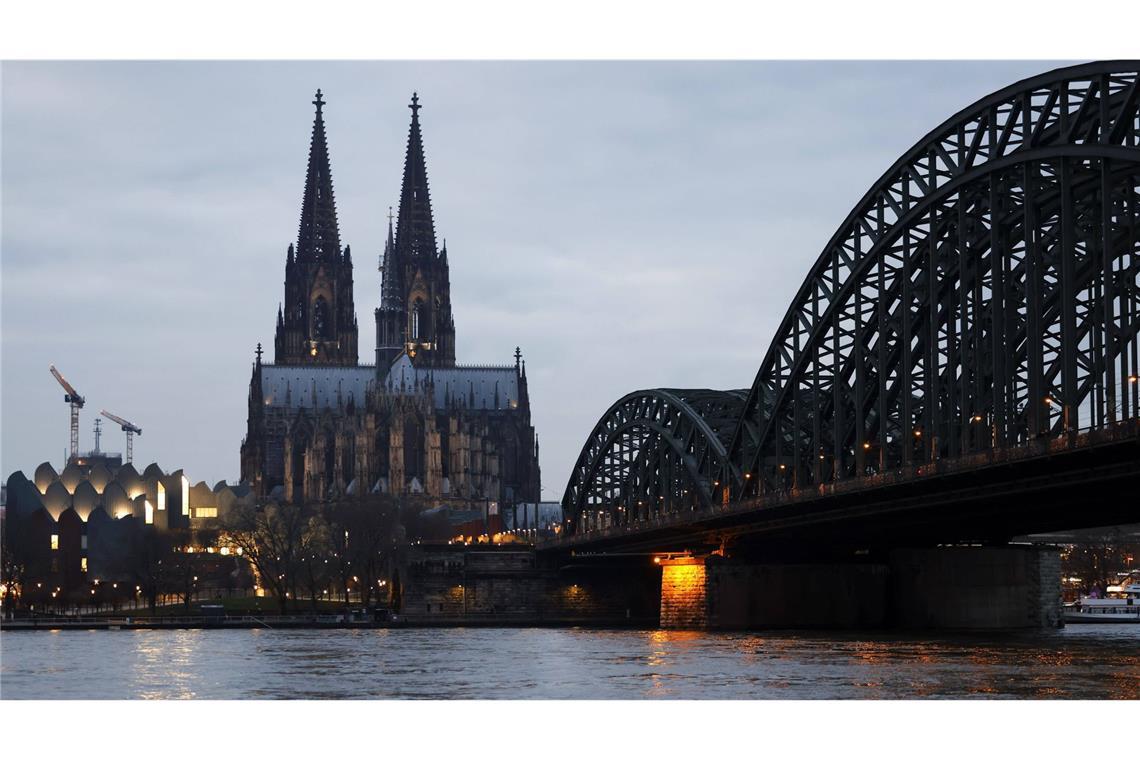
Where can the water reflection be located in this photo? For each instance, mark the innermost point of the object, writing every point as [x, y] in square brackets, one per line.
[566, 663]
[165, 663]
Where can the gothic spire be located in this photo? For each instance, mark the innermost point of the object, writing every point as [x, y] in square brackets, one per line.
[415, 230]
[390, 272]
[318, 236]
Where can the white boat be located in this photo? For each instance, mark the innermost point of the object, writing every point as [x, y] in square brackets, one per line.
[1121, 605]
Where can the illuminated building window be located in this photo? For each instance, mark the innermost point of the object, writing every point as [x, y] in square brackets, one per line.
[205, 511]
[185, 496]
[149, 513]
[83, 564]
[161, 497]
[54, 541]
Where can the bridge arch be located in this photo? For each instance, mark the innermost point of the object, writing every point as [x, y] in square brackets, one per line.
[985, 291]
[652, 453]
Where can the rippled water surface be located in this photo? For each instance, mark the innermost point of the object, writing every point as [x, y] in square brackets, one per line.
[1090, 662]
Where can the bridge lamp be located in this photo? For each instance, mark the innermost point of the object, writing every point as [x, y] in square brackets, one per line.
[917, 433]
[782, 467]
[866, 445]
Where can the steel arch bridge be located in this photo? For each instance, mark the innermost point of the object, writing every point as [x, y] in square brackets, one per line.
[983, 295]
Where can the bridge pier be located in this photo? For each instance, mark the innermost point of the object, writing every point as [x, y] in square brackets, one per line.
[1008, 587]
[995, 587]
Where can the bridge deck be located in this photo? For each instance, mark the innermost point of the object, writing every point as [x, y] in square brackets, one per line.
[1084, 480]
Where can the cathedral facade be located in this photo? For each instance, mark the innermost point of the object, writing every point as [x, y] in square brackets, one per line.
[321, 425]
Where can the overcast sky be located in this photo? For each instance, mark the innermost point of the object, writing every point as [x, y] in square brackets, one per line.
[629, 225]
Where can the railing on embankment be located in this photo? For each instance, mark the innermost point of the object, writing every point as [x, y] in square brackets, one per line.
[63, 622]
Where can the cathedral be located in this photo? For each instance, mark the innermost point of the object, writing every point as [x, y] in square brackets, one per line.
[322, 425]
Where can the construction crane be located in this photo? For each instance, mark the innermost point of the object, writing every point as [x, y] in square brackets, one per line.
[128, 428]
[76, 401]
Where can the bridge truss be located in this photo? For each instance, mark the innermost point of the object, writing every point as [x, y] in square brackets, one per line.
[983, 294]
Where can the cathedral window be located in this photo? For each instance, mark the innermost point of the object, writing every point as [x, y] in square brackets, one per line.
[416, 319]
[321, 318]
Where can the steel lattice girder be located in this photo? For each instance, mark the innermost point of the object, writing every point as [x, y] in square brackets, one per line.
[972, 256]
[653, 451]
[995, 265]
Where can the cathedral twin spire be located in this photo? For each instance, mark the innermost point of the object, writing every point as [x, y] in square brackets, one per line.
[319, 235]
[415, 234]
[415, 306]
[317, 321]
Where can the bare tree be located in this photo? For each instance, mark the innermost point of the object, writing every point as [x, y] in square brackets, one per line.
[180, 568]
[149, 550]
[314, 553]
[1099, 556]
[13, 570]
[270, 537]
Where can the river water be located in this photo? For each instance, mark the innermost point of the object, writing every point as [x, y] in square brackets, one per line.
[1085, 662]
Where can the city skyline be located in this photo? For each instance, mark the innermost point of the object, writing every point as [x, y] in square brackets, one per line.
[618, 210]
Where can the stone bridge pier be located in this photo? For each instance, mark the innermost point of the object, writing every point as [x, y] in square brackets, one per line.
[994, 588]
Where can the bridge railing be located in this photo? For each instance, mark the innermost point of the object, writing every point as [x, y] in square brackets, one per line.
[1077, 438]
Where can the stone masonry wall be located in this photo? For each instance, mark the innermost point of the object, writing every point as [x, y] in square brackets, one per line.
[456, 583]
[796, 596]
[1004, 587]
[684, 594]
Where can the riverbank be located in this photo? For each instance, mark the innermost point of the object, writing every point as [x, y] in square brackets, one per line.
[313, 622]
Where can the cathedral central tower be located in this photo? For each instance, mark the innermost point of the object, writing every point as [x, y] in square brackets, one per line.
[415, 302]
[317, 322]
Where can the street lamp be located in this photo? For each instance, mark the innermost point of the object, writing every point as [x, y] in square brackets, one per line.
[1050, 401]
